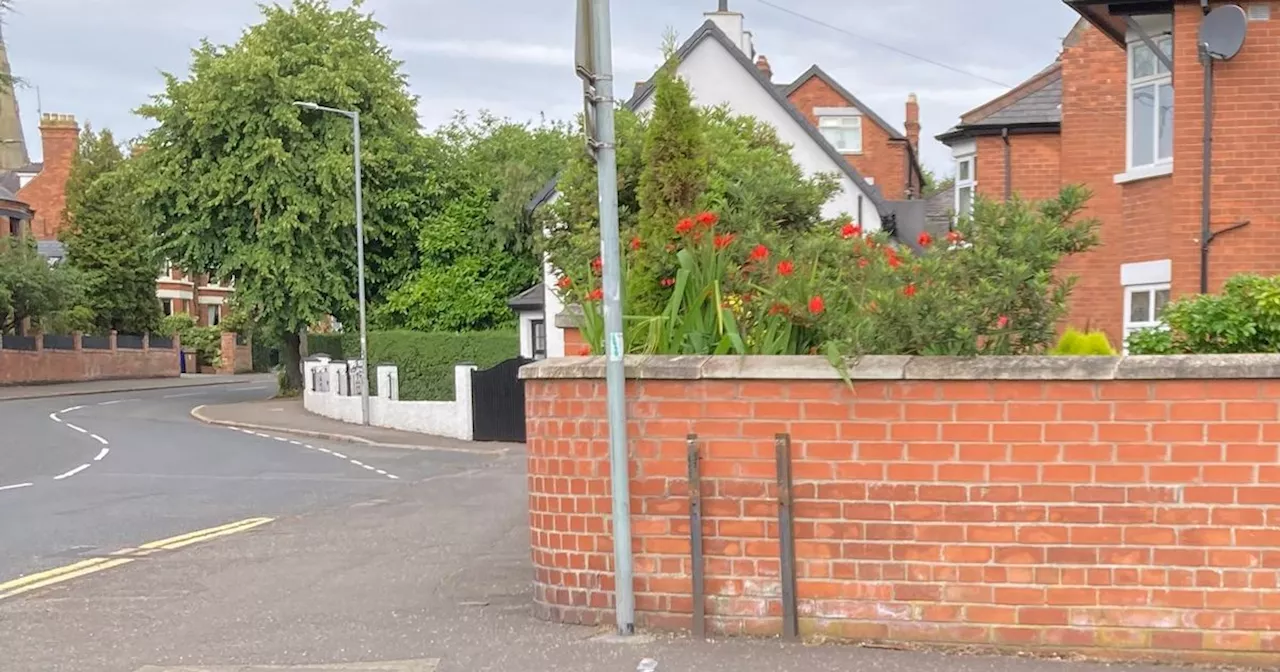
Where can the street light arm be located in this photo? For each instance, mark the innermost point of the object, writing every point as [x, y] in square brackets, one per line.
[307, 105]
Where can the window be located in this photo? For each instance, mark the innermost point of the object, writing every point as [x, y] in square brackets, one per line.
[213, 315]
[966, 184]
[166, 305]
[1146, 293]
[539, 338]
[844, 132]
[1150, 103]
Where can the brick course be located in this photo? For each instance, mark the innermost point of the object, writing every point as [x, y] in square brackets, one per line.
[1116, 517]
[18, 367]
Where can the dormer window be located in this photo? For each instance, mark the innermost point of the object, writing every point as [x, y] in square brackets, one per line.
[1150, 99]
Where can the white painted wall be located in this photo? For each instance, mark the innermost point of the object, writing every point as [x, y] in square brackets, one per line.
[526, 332]
[452, 419]
[716, 78]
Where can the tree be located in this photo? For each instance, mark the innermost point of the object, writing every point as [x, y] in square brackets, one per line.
[477, 250]
[108, 241]
[935, 185]
[247, 186]
[30, 289]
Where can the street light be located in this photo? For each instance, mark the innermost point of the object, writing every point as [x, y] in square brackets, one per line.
[354, 116]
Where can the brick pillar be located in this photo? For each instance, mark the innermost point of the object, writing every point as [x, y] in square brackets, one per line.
[77, 341]
[39, 338]
[228, 364]
[111, 340]
[146, 342]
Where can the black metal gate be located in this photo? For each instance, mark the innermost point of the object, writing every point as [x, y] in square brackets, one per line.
[497, 402]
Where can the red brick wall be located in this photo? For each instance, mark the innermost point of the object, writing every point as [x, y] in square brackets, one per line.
[59, 366]
[574, 345]
[1036, 163]
[1115, 517]
[235, 358]
[46, 192]
[1094, 91]
[881, 159]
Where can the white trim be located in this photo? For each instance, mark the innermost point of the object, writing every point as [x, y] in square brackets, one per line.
[837, 112]
[1147, 273]
[837, 124]
[971, 183]
[1158, 28]
[173, 294]
[211, 300]
[1144, 173]
[184, 283]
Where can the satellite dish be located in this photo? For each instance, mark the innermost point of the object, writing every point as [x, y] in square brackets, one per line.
[1222, 31]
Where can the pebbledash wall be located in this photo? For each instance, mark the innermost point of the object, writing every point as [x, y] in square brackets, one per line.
[44, 365]
[327, 392]
[1117, 506]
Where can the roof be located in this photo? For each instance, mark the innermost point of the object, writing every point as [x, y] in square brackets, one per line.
[1110, 15]
[1034, 105]
[529, 299]
[709, 30]
[937, 212]
[34, 167]
[815, 71]
[50, 249]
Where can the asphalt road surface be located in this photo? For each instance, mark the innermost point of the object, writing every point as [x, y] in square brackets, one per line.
[86, 475]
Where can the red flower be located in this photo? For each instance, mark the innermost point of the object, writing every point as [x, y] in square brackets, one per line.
[685, 226]
[724, 240]
[564, 283]
[708, 219]
[759, 253]
[1002, 322]
[910, 289]
[954, 237]
[816, 306]
[785, 267]
[925, 239]
[862, 263]
[893, 259]
[668, 282]
[635, 243]
[779, 309]
[596, 294]
[597, 265]
[850, 230]
[584, 351]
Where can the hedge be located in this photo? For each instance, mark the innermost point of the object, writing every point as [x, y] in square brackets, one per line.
[425, 360]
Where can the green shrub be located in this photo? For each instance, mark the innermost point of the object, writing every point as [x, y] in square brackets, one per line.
[206, 342]
[1078, 343]
[426, 360]
[327, 344]
[1244, 318]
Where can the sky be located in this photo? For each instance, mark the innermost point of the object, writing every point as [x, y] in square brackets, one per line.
[100, 59]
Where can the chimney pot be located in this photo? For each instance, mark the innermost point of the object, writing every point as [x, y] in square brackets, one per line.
[762, 64]
[913, 120]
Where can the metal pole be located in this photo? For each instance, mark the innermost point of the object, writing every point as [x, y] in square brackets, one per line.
[695, 539]
[1206, 171]
[364, 333]
[615, 376]
[786, 536]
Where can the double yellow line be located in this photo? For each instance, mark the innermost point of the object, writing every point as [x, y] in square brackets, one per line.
[125, 556]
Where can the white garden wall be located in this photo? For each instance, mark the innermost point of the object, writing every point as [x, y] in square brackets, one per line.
[325, 394]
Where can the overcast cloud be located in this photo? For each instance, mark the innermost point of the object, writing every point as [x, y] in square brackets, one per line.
[99, 59]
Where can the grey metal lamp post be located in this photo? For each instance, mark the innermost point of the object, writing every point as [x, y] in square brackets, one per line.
[354, 116]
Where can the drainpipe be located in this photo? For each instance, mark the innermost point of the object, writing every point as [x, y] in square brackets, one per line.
[1207, 234]
[1008, 165]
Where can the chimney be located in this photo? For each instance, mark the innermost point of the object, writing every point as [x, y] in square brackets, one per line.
[732, 25]
[762, 64]
[913, 121]
[60, 138]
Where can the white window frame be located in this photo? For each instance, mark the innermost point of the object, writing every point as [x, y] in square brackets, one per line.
[970, 159]
[1147, 277]
[213, 314]
[843, 119]
[1159, 29]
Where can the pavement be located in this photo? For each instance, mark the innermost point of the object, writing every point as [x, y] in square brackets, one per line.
[202, 548]
[54, 390]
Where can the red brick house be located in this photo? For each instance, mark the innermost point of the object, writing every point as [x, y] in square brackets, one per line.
[1131, 128]
[885, 156]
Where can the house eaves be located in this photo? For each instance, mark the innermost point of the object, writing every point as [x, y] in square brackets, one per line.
[1110, 16]
[709, 30]
[1035, 106]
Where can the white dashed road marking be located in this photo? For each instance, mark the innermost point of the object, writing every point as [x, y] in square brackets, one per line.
[102, 454]
[54, 417]
[326, 451]
[99, 439]
[73, 472]
[16, 486]
[78, 429]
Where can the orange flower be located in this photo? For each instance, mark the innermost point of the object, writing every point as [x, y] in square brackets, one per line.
[785, 267]
[708, 219]
[779, 309]
[596, 294]
[759, 253]
[724, 240]
[910, 289]
[925, 239]
[850, 230]
[635, 243]
[954, 237]
[685, 226]
[816, 305]
[584, 351]
[564, 283]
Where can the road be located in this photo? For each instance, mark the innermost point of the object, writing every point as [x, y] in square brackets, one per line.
[87, 475]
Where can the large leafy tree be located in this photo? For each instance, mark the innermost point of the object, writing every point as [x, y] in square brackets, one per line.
[249, 187]
[32, 291]
[108, 241]
[477, 250]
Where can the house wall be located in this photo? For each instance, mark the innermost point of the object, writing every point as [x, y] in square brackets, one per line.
[881, 159]
[716, 78]
[1036, 161]
[1122, 507]
[46, 193]
[526, 318]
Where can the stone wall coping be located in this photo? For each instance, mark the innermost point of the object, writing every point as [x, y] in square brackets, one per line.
[894, 367]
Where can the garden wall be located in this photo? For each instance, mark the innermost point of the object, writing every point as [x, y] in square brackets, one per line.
[39, 359]
[1117, 506]
[329, 391]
